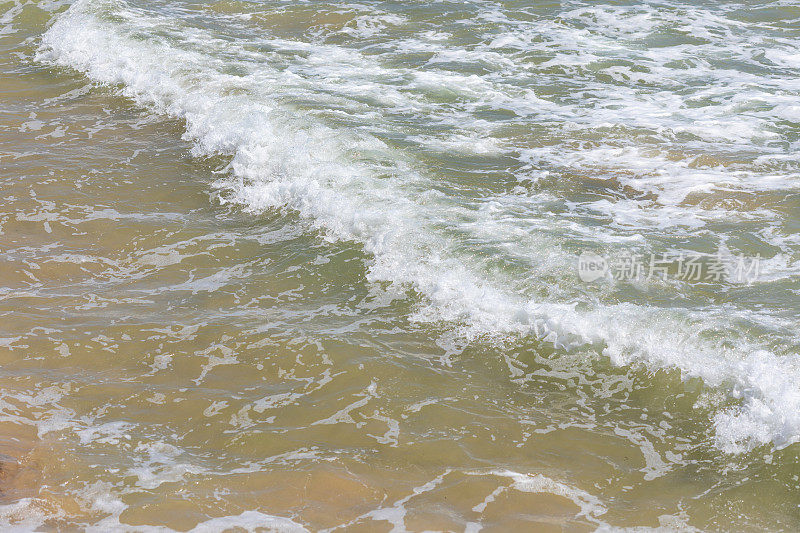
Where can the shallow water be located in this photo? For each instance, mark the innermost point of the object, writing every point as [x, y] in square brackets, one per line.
[298, 265]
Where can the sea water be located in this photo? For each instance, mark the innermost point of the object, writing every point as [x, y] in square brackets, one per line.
[444, 265]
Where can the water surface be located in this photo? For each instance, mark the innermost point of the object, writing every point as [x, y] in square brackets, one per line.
[315, 265]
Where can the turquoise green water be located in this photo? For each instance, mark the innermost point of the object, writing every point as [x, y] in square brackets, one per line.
[289, 265]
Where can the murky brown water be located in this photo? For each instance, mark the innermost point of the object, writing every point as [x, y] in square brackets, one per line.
[170, 359]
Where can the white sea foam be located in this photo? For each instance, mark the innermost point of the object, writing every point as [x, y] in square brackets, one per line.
[249, 521]
[589, 505]
[355, 187]
[101, 496]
